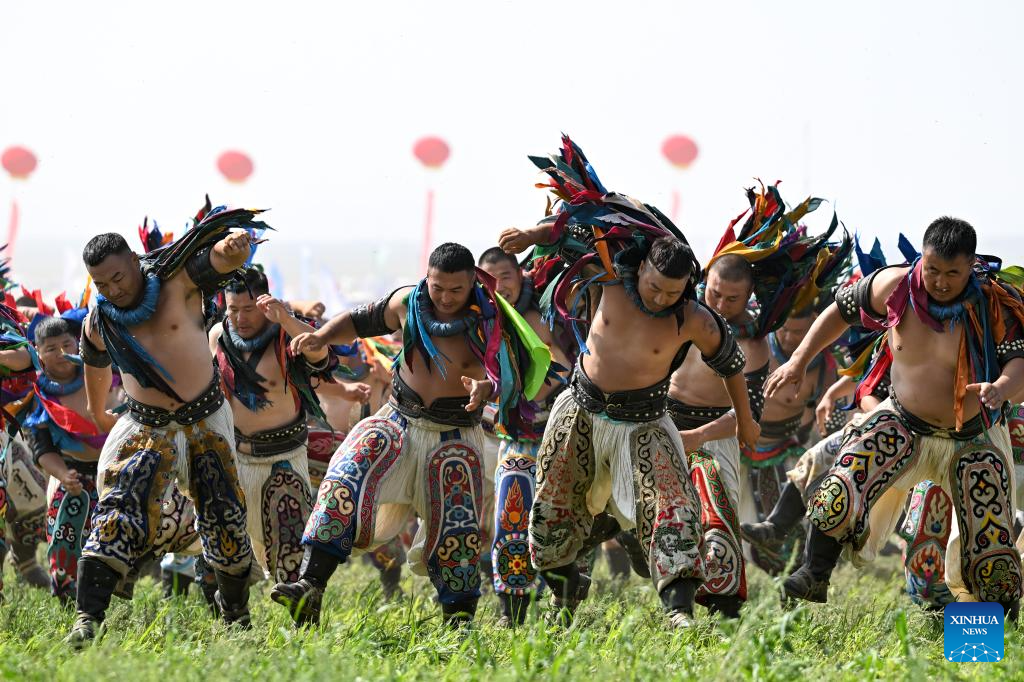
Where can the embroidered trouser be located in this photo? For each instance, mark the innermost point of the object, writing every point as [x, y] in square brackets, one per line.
[280, 500]
[715, 472]
[23, 487]
[636, 471]
[139, 510]
[763, 475]
[928, 524]
[514, 487]
[926, 528]
[814, 464]
[320, 447]
[880, 453]
[68, 521]
[390, 466]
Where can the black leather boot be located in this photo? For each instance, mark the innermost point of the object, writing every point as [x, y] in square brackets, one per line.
[23, 555]
[1011, 610]
[568, 589]
[727, 605]
[96, 583]
[232, 598]
[677, 599]
[638, 558]
[175, 584]
[459, 614]
[783, 518]
[810, 581]
[3, 555]
[304, 597]
[618, 561]
[513, 609]
[390, 578]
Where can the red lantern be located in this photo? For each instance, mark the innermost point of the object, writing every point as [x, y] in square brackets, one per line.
[431, 151]
[680, 150]
[19, 162]
[235, 166]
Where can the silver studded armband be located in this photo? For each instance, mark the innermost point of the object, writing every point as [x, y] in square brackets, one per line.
[1009, 349]
[729, 359]
[855, 298]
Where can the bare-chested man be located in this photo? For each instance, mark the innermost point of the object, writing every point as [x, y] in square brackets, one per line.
[514, 477]
[611, 458]
[700, 406]
[149, 322]
[953, 369]
[421, 452]
[65, 444]
[271, 394]
[609, 445]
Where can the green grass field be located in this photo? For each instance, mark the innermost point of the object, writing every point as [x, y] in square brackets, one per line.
[870, 631]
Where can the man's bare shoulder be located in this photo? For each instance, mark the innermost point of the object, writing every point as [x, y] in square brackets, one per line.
[883, 284]
[537, 324]
[697, 320]
[216, 331]
[756, 350]
[886, 280]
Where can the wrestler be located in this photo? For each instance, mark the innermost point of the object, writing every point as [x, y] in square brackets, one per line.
[149, 322]
[422, 451]
[272, 396]
[611, 458]
[515, 579]
[957, 356]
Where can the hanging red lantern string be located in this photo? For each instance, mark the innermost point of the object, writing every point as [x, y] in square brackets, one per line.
[432, 152]
[19, 162]
[681, 151]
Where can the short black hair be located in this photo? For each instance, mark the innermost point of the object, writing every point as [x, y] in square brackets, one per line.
[672, 258]
[103, 245]
[495, 255]
[733, 268]
[951, 237]
[26, 301]
[451, 257]
[51, 327]
[252, 280]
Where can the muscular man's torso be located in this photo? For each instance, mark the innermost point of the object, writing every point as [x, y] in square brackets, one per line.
[282, 408]
[628, 348]
[176, 338]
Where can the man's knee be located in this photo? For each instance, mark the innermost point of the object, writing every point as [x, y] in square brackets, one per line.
[831, 506]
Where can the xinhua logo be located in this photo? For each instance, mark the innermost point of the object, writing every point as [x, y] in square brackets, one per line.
[973, 632]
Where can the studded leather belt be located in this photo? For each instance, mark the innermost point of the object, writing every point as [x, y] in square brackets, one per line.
[971, 428]
[687, 417]
[638, 405]
[157, 417]
[449, 411]
[274, 441]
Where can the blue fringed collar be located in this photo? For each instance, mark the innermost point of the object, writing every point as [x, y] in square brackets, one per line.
[525, 300]
[51, 387]
[434, 326]
[259, 342]
[130, 317]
